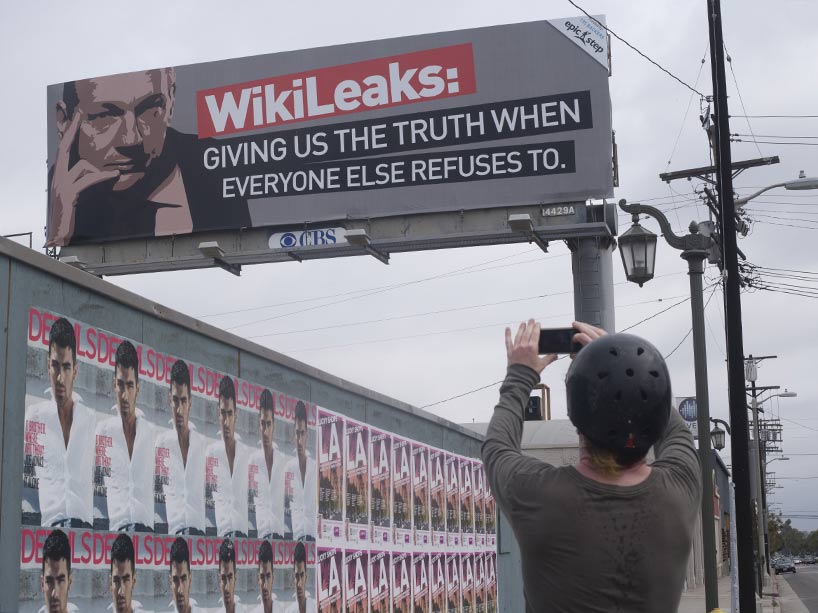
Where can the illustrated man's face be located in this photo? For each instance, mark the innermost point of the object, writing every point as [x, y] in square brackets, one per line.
[180, 585]
[267, 426]
[55, 583]
[126, 389]
[301, 584]
[180, 405]
[227, 418]
[123, 579]
[227, 582]
[125, 122]
[62, 369]
[301, 437]
[265, 584]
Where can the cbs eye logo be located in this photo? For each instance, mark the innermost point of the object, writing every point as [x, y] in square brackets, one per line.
[288, 239]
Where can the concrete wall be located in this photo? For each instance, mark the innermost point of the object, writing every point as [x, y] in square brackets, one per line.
[28, 278]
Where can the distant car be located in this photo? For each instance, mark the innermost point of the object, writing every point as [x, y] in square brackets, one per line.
[797, 560]
[809, 560]
[784, 565]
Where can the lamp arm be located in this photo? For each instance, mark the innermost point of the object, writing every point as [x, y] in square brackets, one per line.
[746, 199]
[718, 421]
[673, 240]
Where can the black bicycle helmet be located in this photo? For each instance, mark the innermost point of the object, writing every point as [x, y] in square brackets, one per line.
[619, 396]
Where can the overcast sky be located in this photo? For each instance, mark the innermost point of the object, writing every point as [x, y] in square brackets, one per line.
[315, 311]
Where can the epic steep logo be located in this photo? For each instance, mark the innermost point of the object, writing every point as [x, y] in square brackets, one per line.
[337, 90]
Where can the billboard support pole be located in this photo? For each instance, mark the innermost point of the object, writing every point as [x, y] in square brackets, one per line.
[592, 267]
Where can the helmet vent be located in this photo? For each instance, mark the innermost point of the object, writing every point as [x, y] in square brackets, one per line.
[629, 372]
[613, 351]
[654, 373]
[618, 395]
[644, 395]
[602, 374]
[640, 351]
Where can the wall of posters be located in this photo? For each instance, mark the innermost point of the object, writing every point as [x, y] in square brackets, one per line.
[209, 489]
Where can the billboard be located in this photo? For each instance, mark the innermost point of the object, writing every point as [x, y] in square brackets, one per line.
[206, 488]
[461, 120]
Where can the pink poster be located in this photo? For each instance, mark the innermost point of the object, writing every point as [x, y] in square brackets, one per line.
[402, 491]
[467, 581]
[478, 481]
[330, 477]
[356, 585]
[452, 463]
[466, 503]
[491, 519]
[420, 494]
[453, 582]
[479, 582]
[379, 584]
[401, 582]
[357, 483]
[437, 496]
[437, 578]
[380, 477]
[491, 582]
[420, 582]
[330, 564]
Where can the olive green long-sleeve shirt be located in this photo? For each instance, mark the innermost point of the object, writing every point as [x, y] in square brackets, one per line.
[588, 546]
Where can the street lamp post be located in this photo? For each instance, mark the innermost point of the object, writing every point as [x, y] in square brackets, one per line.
[638, 249]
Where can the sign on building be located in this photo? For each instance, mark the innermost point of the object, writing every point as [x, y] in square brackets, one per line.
[455, 121]
[687, 409]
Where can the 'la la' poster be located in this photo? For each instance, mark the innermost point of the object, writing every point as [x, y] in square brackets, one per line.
[420, 492]
[402, 491]
[437, 497]
[453, 595]
[491, 519]
[420, 582]
[330, 477]
[466, 503]
[437, 567]
[401, 582]
[379, 584]
[357, 483]
[467, 581]
[453, 500]
[356, 585]
[479, 504]
[479, 582]
[330, 566]
[380, 477]
[491, 582]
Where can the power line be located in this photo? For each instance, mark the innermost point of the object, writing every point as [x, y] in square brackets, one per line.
[771, 142]
[774, 116]
[455, 272]
[615, 35]
[741, 99]
[770, 136]
[426, 406]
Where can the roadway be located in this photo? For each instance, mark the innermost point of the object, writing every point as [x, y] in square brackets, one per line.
[805, 584]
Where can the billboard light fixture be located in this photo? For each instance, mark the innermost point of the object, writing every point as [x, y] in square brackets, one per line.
[211, 249]
[358, 237]
[74, 261]
[521, 222]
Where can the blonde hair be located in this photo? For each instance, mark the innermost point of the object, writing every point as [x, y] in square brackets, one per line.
[603, 461]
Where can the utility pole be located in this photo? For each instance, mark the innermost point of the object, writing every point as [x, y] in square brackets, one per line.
[732, 309]
[757, 483]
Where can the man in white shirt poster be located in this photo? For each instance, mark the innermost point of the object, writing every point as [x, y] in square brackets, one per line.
[266, 575]
[304, 603]
[123, 576]
[125, 451]
[228, 461]
[266, 474]
[55, 577]
[59, 440]
[180, 460]
[302, 481]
